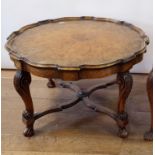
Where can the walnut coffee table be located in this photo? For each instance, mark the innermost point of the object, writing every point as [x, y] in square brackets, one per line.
[75, 48]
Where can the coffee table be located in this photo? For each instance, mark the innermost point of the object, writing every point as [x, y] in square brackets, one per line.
[74, 48]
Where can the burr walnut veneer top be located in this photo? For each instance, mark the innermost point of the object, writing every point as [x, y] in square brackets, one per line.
[74, 43]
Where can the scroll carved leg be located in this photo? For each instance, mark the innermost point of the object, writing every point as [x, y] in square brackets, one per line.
[22, 81]
[149, 135]
[51, 83]
[125, 85]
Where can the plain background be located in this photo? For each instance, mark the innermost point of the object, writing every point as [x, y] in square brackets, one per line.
[17, 13]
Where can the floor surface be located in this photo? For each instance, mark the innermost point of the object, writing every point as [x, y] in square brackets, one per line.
[78, 130]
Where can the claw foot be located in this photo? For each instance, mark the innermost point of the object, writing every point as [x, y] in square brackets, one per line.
[122, 133]
[29, 132]
[50, 84]
[29, 120]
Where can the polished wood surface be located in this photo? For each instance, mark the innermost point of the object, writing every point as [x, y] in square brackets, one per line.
[78, 42]
[77, 131]
[64, 43]
[74, 48]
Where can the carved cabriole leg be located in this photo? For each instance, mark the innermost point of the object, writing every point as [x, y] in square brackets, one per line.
[149, 135]
[125, 85]
[22, 81]
[51, 83]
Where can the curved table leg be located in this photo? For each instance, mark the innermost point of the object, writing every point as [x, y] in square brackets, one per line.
[22, 81]
[125, 85]
[149, 135]
[51, 83]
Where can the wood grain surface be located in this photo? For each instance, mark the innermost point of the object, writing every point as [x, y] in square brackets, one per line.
[77, 42]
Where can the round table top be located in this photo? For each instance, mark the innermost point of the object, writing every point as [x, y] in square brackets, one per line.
[77, 42]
